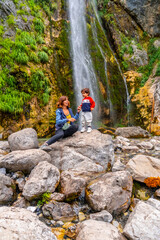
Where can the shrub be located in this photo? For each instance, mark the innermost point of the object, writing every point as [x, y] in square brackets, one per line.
[40, 40]
[11, 20]
[38, 25]
[33, 57]
[43, 56]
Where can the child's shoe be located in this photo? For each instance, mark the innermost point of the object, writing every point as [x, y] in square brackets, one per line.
[89, 129]
[83, 130]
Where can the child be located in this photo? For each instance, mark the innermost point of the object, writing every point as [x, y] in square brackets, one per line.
[87, 106]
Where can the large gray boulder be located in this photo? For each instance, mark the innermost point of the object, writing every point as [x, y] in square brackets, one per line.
[19, 223]
[23, 160]
[6, 189]
[43, 178]
[142, 167]
[111, 192]
[98, 230]
[143, 223]
[132, 132]
[23, 139]
[83, 152]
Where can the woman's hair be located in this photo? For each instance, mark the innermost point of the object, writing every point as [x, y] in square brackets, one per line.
[61, 100]
[85, 90]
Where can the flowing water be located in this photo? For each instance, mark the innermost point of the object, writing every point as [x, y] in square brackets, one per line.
[95, 11]
[84, 75]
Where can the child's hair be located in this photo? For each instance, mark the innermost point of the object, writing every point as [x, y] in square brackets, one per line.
[85, 90]
[61, 100]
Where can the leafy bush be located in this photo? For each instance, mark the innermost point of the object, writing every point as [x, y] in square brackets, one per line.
[40, 40]
[11, 20]
[33, 57]
[43, 56]
[38, 25]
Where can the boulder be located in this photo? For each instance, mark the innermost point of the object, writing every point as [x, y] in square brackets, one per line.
[102, 216]
[145, 145]
[72, 184]
[132, 132]
[142, 167]
[23, 139]
[111, 192]
[6, 189]
[85, 152]
[59, 197]
[19, 223]
[143, 223]
[97, 230]
[59, 211]
[4, 145]
[140, 57]
[24, 160]
[43, 178]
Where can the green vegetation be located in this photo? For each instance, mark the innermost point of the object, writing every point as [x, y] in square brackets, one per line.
[154, 57]
[43, 56]
[44, 199]
[11, 20]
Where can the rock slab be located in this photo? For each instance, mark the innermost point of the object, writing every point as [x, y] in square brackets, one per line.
[19, 223]
[43, 178]
[111, 192]
[98, 230]
[23, 140]
[85, 152]
[143, 223]
[6, 189]
[24, 160]
[142, 167]
[132, 132]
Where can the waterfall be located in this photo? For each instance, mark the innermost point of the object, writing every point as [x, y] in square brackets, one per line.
[93, 3]
[83, 71]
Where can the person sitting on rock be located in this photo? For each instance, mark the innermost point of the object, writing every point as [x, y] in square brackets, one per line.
[65, 119]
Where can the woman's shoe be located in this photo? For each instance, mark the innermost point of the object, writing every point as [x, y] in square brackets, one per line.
[45, 147]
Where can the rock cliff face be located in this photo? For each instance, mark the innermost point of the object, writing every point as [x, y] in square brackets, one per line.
[134, 31]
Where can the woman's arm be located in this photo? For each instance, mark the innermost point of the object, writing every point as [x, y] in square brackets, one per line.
[60, 121]
[72, 115]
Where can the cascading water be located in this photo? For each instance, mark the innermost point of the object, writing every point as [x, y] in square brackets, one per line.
[84, 75]
[93, 4]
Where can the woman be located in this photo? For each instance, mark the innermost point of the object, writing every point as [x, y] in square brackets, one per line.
[64, 122]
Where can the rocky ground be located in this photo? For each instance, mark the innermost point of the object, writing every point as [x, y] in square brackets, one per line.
[89, 186]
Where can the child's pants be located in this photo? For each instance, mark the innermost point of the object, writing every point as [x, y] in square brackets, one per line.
[86, 119]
